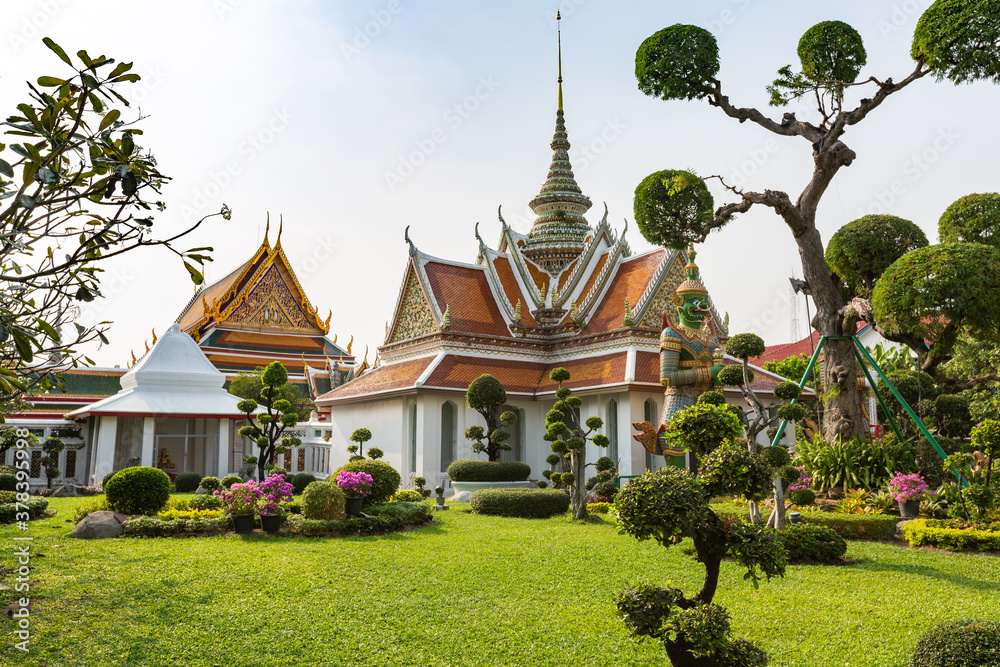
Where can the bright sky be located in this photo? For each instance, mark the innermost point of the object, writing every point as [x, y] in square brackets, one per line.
[355, 119]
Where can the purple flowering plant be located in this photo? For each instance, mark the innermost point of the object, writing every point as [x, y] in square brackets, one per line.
[274, 490]
[803, 482]
[905, 488]
[240, 499]
[354, 484]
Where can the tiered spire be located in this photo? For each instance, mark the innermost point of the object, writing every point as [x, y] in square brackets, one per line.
[557, 236]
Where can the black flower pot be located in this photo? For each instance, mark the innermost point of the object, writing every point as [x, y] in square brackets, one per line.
[271, 523]
[243, 524]
[909, 509]
[353, 507]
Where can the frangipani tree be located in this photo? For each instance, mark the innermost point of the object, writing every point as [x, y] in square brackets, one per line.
[267, 427]
[954, 40]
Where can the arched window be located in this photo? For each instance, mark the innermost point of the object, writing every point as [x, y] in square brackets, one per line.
[449, 430]
[650, 413]
[611, 430]
[413, 438]
[516, 430]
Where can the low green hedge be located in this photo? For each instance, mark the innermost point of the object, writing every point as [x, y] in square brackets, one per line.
[409, 512]
[919, 534]
[473, 470]
[874, 527]
[152, 526]
[524, 503]
[809, 542]
[35, 507]
[960, 643]
[372, 525]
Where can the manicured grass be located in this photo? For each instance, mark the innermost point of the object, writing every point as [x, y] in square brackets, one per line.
[467, 590]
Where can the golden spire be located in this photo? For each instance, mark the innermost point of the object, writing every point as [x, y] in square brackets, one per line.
[559, 42]
[267, 229]
[349, 344]
[281, 225]
[154, 335]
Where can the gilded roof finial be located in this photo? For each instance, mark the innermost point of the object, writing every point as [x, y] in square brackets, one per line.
[154, 335]
[267, 229]
[559, 41]
[281, 225]
[349, 344]
[334, 339]
[326, 324]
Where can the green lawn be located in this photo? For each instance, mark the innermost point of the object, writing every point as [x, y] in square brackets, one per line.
[467, 590]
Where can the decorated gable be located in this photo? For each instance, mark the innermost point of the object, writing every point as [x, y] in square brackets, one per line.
[414, 316]
[271, 304]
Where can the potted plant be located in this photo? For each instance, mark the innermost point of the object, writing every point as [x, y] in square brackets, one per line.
[908, 491]
[355, 485]
[240, 502]
[274, 490]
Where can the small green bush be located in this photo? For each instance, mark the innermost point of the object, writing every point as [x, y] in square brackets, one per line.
[599, 508]
[804, 542]
[473, 470]
[7, 470]
[301, 481]
[8, 482]
[525, 503]
[209, 501]
[34, 506]
[407, 496]
[411, 513]
[8, 496]
[324, 501]
[960, 643]
[294, 507]
[210, 483]
[153, 526]
[107, 476]
[229, 480]
[919, 534]
[138, 490]
[385, 479]
[187, 482]
[98, 504]
[803, 496]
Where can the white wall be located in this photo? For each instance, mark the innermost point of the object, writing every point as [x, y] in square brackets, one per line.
[383, 417]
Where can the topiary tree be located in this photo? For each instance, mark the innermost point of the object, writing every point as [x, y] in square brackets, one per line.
[50, 459]
[954, 40]
[859, 252]
[267, 428]
[487, 396]
[973, 218]
[360, 436]
[385, 478]
[744, 347]
[672, 504]
[569, 440]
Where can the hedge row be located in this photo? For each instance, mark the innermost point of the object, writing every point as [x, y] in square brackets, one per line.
[372, 525]
[34, 506]
[152, 526]
[408, 512]
[919, 534]
[524, 503]
[473, 470]
[875, 527]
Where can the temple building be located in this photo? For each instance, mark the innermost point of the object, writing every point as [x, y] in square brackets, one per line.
[565, 294]
[255, 314]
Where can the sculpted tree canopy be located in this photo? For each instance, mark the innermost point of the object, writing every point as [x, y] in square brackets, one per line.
[973, 218]
[76, 189]
[860, 251]
[954, 40]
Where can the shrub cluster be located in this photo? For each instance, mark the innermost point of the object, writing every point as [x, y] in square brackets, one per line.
[210, 483]
[138, 490]
[8, 496]
[599, 508]
[154, 526]
[8, 482]
[407, 496]
[473, 470]
[34, 506]
[960, 643]
[187, 482]
[525, 503]
[385, 479]
[324, 501]
[371, 525]
[206, 502]
[410, 513]
[849, 526]
[301, 481]
[803, 497]
[922, 532]
[229, 480]
[805, 542]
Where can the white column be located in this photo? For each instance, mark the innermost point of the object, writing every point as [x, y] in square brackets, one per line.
[223, 448]
[104, 459]
[148, 441]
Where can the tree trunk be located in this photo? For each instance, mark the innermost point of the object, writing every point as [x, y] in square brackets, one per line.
[777, 518]
[680, 656]
[578, 489]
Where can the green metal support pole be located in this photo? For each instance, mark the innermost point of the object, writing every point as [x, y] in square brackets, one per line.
[878, 395]
[802, 384]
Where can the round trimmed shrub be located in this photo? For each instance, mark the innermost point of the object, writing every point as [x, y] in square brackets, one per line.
[323, 500]
[803, 496]
[385, 479]
[138, 490]
[8, 482]
[104, 480]
[474, 470]
[408, 496]
[187, 482]
[523, 503]
[301, 481]
[210, 483]
[229, 480]
[961, 643]
[803, 541]
[208, 501]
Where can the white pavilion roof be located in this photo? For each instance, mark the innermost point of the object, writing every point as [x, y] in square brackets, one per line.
[175, 379]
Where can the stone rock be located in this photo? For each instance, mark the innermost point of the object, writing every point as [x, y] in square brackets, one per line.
[66, 491]
[461, 497]
[201, 491]
[99, 525]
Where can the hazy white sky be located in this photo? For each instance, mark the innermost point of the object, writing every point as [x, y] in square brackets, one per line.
[355, 119]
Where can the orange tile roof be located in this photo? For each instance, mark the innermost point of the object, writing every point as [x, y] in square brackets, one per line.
[594, 275]
[467, 291]
[568, 272]
[529, 377]
[647, 367]
[195, 311]
[401, 375]
[505, 272]
[630, 281]
[540, 277]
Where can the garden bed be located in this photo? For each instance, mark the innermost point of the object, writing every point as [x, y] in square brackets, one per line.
[877, 527]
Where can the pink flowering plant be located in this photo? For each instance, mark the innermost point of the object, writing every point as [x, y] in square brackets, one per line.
[803, 482]
[354, 484]
[241, 499]
[274, 490]
[905, 488]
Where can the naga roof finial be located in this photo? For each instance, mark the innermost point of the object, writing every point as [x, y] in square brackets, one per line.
[349, 344]
[406, 236]
[267, 227]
